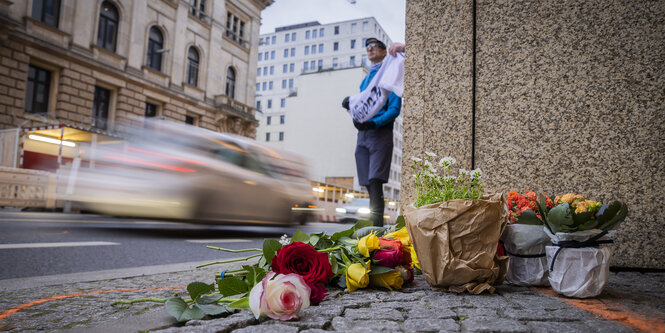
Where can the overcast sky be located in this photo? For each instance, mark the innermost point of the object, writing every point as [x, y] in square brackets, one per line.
[389, 13]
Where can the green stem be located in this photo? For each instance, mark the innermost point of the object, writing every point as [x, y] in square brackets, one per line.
[331, 249]
[230, 260]
[144, 299]
[233, 251]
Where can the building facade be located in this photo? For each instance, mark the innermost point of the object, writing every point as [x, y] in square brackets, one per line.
[551, 96]
[305, 48]
[100, 65]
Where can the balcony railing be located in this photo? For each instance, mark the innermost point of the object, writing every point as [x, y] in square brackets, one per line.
[230, 105]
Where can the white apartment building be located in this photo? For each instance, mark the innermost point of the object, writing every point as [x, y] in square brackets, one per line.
[304, 72]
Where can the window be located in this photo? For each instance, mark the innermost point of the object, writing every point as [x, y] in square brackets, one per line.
[258, 87]
[38, 89]
[100, 107]
[258, 71]
[306, 49]
[272, 55]
[290, 83]
[258, 105]
[286, 38]
[155, 49]
[336, 30]
[321, 32]
[364, 59]
[313, 49]
[231, 82]
[335, 46]
[307, 34]
[352, 61]
[46, 11]
[314, 32]
[320, 63]
[285, 68]
[201, 11]
[305, 65]
[150, 110]
[353, 44]
[260, 56]
[283, 84]
[108, 26]
[274, 39]
[334, 62]
[365, 26]
[293, 51]
[320, 48]
[270, 85]
[261, 41]
[265, 86]
[312, 64]
[267, 136]
[281, 118]
[269, 106]
[265, 71]
[293, 37]
[235, 28]
[286, 53]
[292, 67]
[192, 119]
[272, 70]
[265, 56]
[281, 136]
[354, 27]
[268, 120]
[192, 67]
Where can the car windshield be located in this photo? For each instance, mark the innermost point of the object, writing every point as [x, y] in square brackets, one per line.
[359, 202]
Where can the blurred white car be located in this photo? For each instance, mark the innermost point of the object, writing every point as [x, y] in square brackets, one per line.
[176, 171]
[356, 209]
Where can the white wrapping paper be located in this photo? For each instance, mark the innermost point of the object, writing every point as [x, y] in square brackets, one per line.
[523, 239]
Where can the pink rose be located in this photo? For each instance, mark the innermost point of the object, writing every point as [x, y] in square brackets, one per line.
[279, 296]
[388, 257]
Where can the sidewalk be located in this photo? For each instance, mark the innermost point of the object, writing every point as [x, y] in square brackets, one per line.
[631, 302]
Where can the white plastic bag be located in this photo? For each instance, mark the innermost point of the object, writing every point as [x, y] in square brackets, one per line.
[522, 242]
[390, 77]
[578, 272]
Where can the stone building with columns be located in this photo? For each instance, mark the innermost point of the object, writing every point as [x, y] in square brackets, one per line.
[99, 65]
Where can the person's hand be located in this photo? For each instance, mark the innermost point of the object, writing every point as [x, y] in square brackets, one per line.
[345, 102]
[396, 47]
[364, 125]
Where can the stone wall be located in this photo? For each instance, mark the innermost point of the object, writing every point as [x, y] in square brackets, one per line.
[568, 98]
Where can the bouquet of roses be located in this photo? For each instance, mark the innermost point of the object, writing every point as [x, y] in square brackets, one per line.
[293, 273]
[524, 240]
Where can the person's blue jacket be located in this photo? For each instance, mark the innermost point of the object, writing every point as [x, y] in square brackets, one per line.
[390, 111]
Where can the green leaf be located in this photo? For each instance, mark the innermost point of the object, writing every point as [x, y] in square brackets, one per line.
[342, 280]
[378, 231]
[345, 259]
[346, 233]
[313, 239]
[214, 309]
[400, 222]
[376, 269]
[195, 289]
[270, 247]
[232, 286]
[583, 218]
[324, 243]
[242, 303]
[362, 224]
[559, 218]
[333, 264]
[300, 236]
[208, 299]
[179, 309]
[610, 218]
[254, 275]
[529, 217]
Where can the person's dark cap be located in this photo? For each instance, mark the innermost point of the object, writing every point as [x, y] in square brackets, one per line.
[374, 40]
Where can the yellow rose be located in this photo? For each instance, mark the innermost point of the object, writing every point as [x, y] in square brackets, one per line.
[388, 280]
[368, 244]
[402, 235]
[357, 276]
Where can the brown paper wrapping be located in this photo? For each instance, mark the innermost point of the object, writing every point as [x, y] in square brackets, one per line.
[456, 242]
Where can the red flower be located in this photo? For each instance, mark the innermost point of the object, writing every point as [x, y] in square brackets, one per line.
[391, 243]
[531, 195]
[548, 202]
[388, 257]
[304, 260]
[522, 202]
[319, 292]
[512, 196]
[510, 205]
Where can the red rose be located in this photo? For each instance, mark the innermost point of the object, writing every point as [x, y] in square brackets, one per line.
[319, 292]
[391, 243]
[304, 260]
[388, 258]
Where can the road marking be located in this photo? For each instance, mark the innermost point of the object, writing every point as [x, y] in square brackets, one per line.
[91, 221]
[60, 244]
[218, 240]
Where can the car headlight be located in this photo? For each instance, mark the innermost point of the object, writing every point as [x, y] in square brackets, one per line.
[363, 210]
[340, 210]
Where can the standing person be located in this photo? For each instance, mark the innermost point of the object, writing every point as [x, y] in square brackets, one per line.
[374, 146]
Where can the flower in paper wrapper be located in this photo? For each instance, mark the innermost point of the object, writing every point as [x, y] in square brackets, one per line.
[368, 244]
[391, 280]
[357, 276]
[388, 257]
[279, 296]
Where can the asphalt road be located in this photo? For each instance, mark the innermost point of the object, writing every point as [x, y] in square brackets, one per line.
[39, 244]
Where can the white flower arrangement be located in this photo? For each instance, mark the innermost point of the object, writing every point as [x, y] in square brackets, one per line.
[432, 187]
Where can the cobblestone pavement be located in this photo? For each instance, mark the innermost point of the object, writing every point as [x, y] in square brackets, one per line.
[631, 302]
